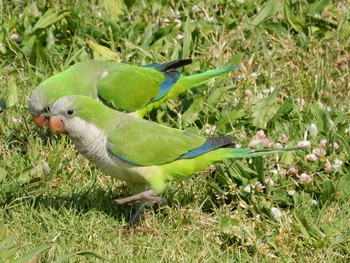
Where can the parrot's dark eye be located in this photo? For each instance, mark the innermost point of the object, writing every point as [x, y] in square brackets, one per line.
[70, 112]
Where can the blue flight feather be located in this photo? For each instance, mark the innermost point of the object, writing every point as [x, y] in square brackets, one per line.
[209, 145]
[171, 77]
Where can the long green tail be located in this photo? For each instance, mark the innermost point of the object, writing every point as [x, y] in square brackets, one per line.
[250, 153]
[185, 167]
[183, 84]
[191, 81]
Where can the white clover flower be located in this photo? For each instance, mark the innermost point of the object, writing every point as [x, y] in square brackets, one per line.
[276, 213]
[269, 181]
[311, 157]
[266, 142]
[16, 119]
[337, 164]
[323, 144]
[178, 22]
[209, 129]
[259, 187]
[313, 202]
[305, 178]
[274, 172]
[300, 101]
[293, 170]
[253, 143]
[291, 192]
[278, 146]
[313, 130]
[179, 37]
[166, 20]
[335, 145]
[304, 144]
[319, 152]
[248, 188]
[260, 134]
[282, 172]
[283, 138]
[248, 93]
[195, 8]
[328, 166]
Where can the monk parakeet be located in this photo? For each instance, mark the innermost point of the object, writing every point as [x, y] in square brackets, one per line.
[129, 88]
[140, 152]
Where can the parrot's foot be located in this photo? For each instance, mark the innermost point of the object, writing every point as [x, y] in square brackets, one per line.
[143, 196]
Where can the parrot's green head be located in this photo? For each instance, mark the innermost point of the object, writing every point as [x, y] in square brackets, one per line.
[76, 113]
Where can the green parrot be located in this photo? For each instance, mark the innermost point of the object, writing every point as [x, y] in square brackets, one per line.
[133, 89]
[140, 152]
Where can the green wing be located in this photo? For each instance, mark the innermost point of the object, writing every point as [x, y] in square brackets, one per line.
[146, 143]
[129, 87]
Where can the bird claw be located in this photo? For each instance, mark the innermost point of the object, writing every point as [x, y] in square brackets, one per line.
[143, 196]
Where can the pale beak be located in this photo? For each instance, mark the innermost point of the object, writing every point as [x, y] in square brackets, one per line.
[41, 121]
[56, 125]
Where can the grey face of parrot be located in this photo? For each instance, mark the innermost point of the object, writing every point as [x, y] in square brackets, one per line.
[36, 103]
[38, 109]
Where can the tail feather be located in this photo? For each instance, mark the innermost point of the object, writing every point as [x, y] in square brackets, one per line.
[164, 67]
[250, 153]
[191, 81]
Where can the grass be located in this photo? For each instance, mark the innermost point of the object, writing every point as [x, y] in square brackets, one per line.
[292, 83]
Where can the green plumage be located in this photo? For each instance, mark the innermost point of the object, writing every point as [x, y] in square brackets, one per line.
[136, 150]
[122, 86]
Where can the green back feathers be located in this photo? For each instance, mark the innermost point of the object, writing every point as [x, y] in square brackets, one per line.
[130, 88]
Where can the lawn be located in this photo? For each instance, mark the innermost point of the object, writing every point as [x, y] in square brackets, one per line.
[291, 89]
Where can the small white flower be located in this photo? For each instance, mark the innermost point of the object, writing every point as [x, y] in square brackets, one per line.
[16, 119]
[304, 144]
[253, 143]
[278, 146]
[259, 187]
[323, 144]
[266, 142]
[313, 130]
[305, 178]
[313, 202]
[195, 8]
[291, 192]
[283, 138]
[15, 37]
[276, 213]
[248, 93]
[320, 152]
[166, 20]
[328, 166]
[178, 22]
[293, 170]
[335, 145]
[209, 129]
[282, 172]
[248, 188]
[337, 164]
[269, 181]
[311, 157]
[260, 134]
[179, 36]
[300, 101]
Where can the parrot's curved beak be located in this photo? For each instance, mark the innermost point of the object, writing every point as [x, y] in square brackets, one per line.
[56, 125]
[41, 121]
